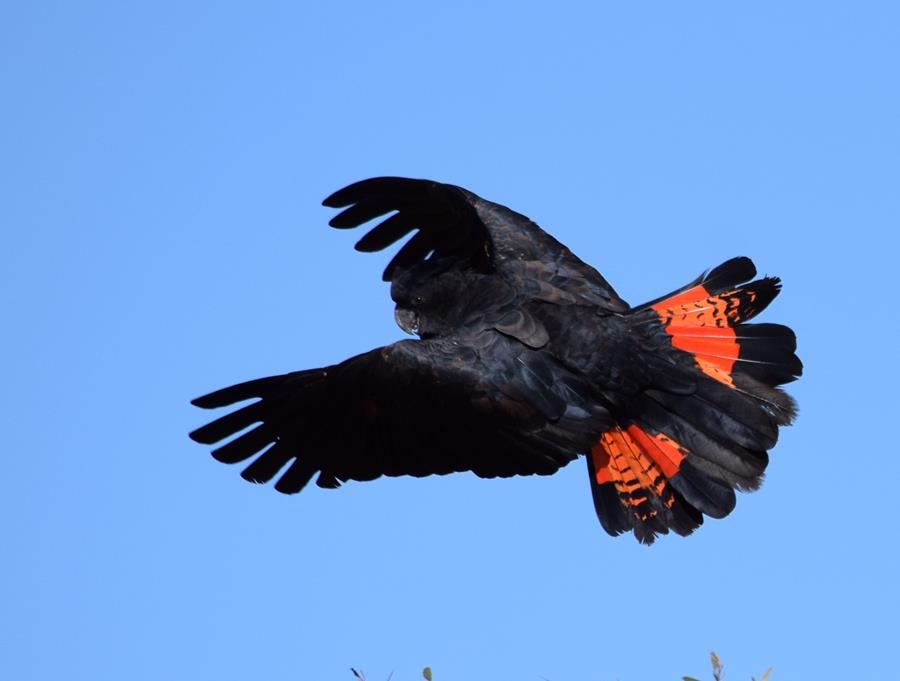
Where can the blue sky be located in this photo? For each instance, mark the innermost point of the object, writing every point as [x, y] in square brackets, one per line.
[161, 170]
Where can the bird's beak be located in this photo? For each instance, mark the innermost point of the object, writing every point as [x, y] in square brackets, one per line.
[407, 320]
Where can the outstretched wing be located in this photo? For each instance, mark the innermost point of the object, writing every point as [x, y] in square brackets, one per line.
[412, 408]
[454, 222]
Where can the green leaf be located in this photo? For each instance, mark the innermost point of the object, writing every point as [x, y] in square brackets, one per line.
[717, 666]
[688, 678]
[427, 673]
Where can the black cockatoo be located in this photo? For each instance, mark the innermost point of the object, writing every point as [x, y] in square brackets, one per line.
[526, 357]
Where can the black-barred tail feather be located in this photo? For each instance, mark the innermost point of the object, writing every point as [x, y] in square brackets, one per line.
[674, 457]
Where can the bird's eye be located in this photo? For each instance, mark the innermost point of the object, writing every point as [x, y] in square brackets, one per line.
[418, 300]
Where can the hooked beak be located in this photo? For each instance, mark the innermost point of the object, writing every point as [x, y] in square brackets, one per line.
[407, 320]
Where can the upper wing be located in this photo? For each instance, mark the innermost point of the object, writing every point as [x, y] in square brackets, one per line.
[454, 222]
[411, 408]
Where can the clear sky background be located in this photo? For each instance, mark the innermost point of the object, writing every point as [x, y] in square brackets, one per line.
[161, 171]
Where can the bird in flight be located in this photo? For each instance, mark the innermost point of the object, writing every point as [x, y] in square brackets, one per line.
[525, 359]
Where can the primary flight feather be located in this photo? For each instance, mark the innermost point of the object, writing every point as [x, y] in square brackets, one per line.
[526, 358]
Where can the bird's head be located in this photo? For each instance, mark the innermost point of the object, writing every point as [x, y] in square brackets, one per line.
[434, 297]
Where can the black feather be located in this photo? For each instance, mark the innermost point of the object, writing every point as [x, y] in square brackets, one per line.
[269, 464]
[707, 495]
[729, 274]
[391, 230]
[246, 445]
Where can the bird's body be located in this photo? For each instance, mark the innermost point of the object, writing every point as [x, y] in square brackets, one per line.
[527, 358]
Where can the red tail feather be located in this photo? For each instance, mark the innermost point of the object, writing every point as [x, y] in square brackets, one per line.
[702, 322]
[676, 455]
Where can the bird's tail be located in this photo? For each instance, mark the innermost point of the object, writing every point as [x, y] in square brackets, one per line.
[677, 454]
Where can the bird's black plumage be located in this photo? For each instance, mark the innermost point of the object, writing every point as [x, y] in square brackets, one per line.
[526, 358]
